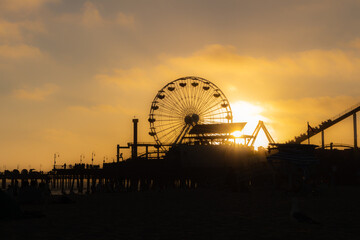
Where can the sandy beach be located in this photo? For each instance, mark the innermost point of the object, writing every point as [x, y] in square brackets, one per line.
[262, 213]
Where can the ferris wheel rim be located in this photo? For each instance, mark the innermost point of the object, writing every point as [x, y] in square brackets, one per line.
[219, 93]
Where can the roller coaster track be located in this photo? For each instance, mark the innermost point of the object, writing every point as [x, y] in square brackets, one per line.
[260, 126]
[328, 123]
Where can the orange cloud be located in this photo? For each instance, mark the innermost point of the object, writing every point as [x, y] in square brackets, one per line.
[296, 75]
[36, 94]
[11, 32]
[355, 43]
[129, 79]
[91, 17]
[21, 51]
[24, 5]
[125, 20]
[103, 109]
[292, 89]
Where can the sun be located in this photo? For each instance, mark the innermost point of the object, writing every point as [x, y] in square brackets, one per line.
[252, 114]
[237, 134]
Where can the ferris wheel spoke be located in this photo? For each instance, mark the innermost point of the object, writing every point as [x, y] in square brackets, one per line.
[212, 119]
[170, 138]
[193, 93]
[174, 127]
[173, 104]
[170, 123]
[206, 99]
[160, 126]
[211, 96]
[215, 116]
[211, 111]
[176, 101]
[187, 93]
[166, 125]
[167, 119]
[171, 134]
[178, 98]
[163, 114]
[165, 129]
[183, 132]
[200, 96]
[203, 94]
[210, 107]
[169, 107]
[182, 96]
[173, 112]
[209, 103]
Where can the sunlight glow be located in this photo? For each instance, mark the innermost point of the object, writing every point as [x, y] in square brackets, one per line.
[250, 113]
[236, 134]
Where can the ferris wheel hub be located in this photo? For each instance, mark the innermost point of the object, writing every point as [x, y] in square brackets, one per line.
[192, 119]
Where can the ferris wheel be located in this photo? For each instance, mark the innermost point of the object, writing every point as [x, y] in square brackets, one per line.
[184, 103]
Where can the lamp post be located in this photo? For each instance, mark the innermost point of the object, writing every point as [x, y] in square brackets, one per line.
[55, 155]
[92, 158]
[81, 158]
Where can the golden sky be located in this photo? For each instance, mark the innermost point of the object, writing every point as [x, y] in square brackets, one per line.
[74, 73]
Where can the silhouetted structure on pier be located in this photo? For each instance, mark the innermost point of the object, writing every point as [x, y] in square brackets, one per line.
[331, 122]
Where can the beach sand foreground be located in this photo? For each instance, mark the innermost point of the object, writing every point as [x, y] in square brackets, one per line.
[262, 213]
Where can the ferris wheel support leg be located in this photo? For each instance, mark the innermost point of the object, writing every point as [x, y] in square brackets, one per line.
[355, 131]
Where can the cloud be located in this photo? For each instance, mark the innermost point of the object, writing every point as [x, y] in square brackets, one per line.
[21, 51]
[103, 109]
[290, 76]
[9, 31]
[125, 20]
[289, 116]
[355, 43]
[60, 135]
[35, 94]
[292, 89]
[91, 16]
[128, 79]
[17, 32]
[23, 5]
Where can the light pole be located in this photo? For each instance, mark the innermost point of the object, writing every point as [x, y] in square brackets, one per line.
[55, 155]
[92, 158]
[81, 158]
